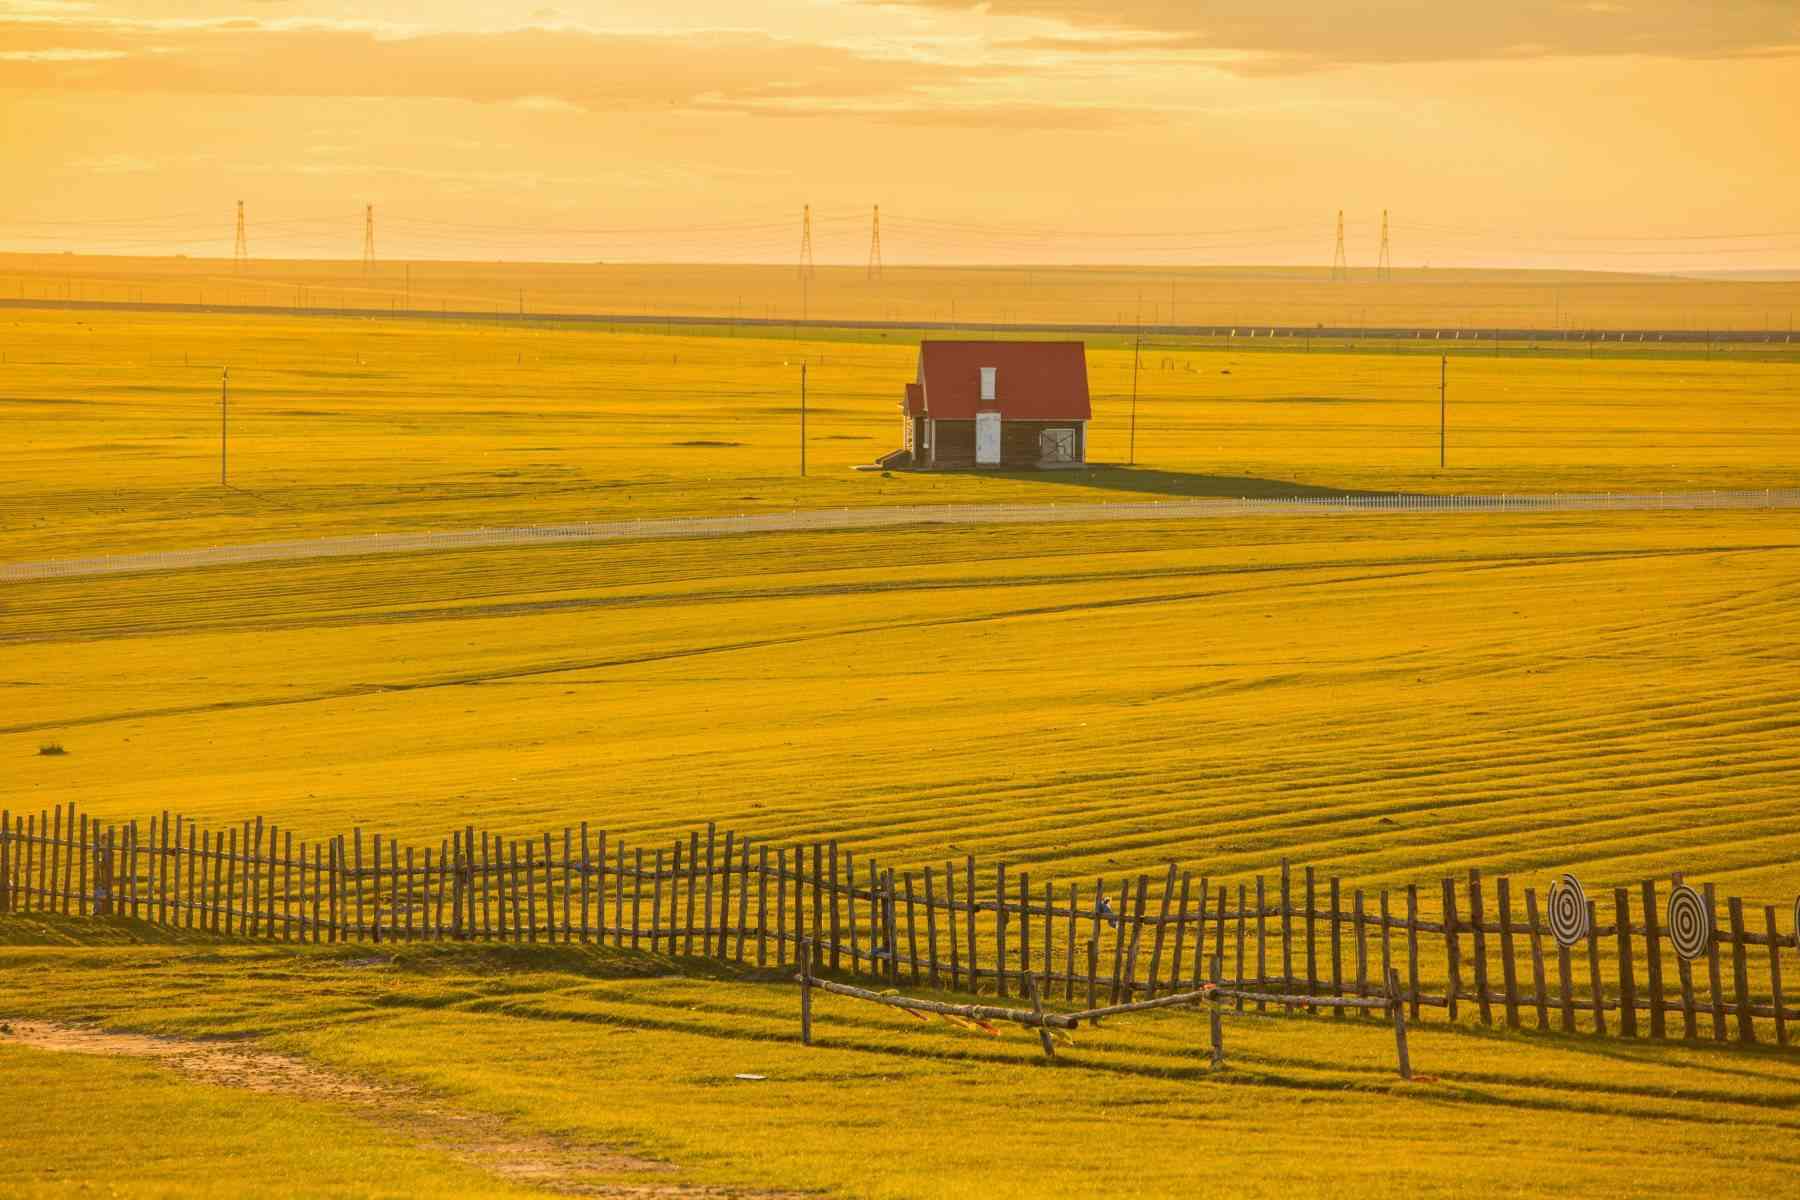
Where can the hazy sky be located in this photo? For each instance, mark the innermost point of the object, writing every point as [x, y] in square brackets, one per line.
[1634, 134]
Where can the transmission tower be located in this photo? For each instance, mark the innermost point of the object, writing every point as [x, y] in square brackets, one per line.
[1384, 263]
[806, 254]
[875, 246]
[368, 237]
[1340, 265]
[240, 249]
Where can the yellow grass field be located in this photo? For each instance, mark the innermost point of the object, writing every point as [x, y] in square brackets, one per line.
[1248, 296]
[364, 426]
[1389, 697]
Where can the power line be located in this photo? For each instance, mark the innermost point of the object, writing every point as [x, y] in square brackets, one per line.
[240, 250]
[1340, 264]
[806, 247]
[1384, 263]
[368, 260]
[875, 246]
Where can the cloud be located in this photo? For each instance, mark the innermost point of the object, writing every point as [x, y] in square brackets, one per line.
[545, 69]
[1270, 36]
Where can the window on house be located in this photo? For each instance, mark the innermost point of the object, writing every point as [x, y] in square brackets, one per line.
[987, 382]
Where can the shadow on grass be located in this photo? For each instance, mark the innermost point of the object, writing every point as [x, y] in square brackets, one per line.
[1186, 484]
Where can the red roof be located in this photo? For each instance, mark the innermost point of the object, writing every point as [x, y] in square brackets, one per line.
[1033, 381]
[915, 400]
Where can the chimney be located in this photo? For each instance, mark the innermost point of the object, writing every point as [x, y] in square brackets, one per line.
[987, 382]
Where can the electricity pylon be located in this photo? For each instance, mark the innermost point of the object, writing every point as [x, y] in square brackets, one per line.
[806, 253]
[875, 246]
[240, 248]
[1340, 264]
[1384, 263]
[368, 237]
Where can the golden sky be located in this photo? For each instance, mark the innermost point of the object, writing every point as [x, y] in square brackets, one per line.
[1631, 134]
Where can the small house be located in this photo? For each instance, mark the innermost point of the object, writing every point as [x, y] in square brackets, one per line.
[998, 404]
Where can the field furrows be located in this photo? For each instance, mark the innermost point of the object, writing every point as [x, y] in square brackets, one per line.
[1608, 693]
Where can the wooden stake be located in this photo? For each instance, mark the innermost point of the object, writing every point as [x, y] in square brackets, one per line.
[1509, 970]
[805, 992]
[1596, 982]
[1398, 1010]
[1740, 972]
[1539, 987]
[1479, 935]
[1781, 1034]
[1452, 949]
[1653, 963]
[1037, 1007]
[1627, 980]
[1712, 966]
[1412, 946]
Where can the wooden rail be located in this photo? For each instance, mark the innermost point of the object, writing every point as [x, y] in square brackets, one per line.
[1469, 948]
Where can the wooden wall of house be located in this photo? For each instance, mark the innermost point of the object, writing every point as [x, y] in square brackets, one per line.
[1019, 444]
[956, 443]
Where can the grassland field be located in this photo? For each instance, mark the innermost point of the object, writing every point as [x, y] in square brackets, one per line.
[1389, 697]
[370, 426]
[1439, 299]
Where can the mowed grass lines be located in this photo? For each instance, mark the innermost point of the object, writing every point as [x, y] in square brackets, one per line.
[582, 1045]
[1389, 698]
[361, 426]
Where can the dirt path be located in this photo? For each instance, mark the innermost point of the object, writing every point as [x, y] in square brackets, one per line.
[480, 1140]
[665, 528]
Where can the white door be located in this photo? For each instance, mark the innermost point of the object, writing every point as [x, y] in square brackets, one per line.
[987, 439]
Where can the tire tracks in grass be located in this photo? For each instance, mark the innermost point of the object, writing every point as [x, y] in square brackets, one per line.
[480, 1140]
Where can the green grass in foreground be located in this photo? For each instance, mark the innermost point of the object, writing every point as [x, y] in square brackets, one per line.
[620, 1049]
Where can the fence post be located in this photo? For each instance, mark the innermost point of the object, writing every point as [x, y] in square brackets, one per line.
[1509, 970]
[1627, 979]
[1740, 972]
[762, 905]
[1478, 933]
[1781, 1035]
[1412, 947]
[1335, 894]
[743, 913]
[1312, 956]
[912, 931]
[1653, 962]
[1156, 943]
[1000, 922]
[1539, 986]
[1215, 1020]
[1452, 949]
[1287, 929]
[931, 950]
[1712, 965]
[892, 930]
[1596, 982]
[1398, 1011]
[805, 992]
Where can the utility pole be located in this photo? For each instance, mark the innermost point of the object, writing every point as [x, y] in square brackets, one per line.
[1340, 264]
[240, 246]
[224, 406]
[875, 246]
[1384, 262]
[368, 257]
[803, 420]
[1443, 407]
[1136, 354]
[806, 249]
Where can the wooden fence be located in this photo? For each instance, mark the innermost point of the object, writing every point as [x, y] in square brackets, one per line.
[1470, 944]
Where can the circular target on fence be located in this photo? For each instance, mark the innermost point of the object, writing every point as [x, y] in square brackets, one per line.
[1689, 922]
[1568, 911]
